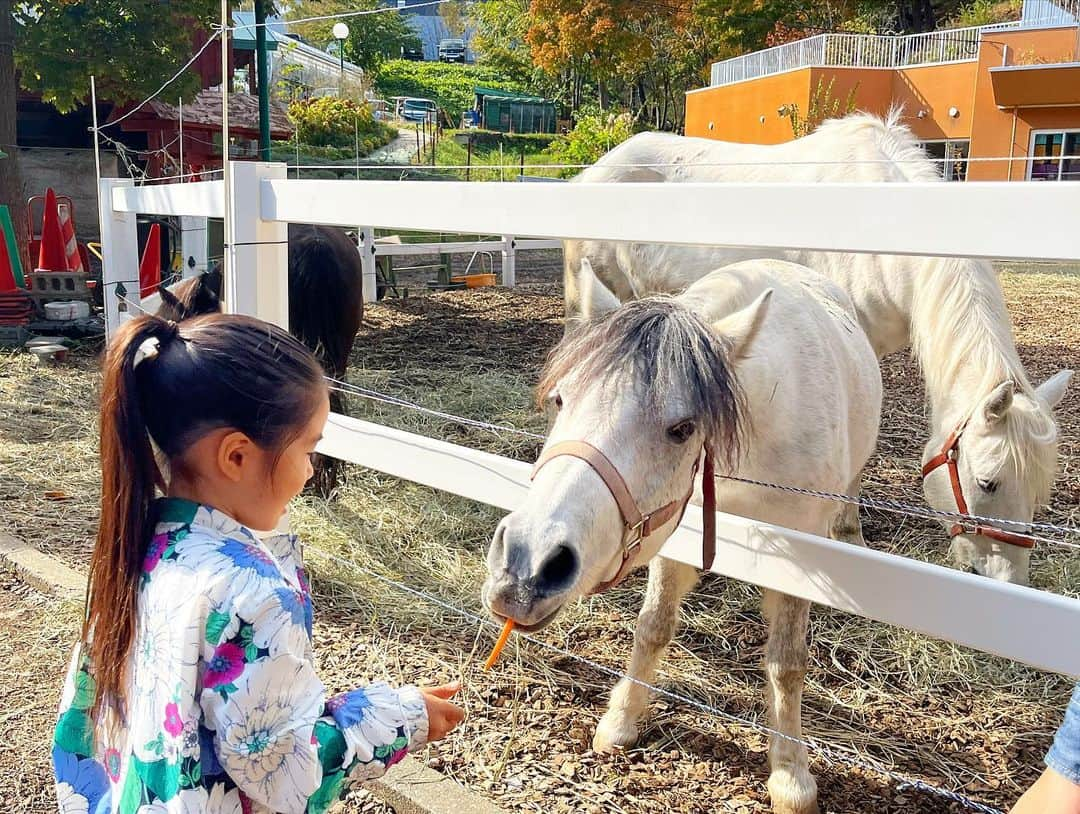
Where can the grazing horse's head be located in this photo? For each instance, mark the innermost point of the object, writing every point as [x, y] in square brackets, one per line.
[647, 388]
[998, 463]
[192, 297]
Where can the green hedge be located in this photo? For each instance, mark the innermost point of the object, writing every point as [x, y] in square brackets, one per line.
[449, 85]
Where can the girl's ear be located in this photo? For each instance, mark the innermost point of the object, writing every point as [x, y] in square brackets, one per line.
[234, 455]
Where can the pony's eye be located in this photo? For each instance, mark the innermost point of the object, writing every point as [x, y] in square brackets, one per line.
[988, 486]
[681, 432]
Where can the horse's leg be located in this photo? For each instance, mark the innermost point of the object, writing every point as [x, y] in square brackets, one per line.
[791, 786]
[846, 525]
[668, 583]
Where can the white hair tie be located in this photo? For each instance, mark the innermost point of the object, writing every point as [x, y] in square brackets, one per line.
[147, 350]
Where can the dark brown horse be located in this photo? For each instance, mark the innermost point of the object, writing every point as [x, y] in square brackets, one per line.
[325, 308]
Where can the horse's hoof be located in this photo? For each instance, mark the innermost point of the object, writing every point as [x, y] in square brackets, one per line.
[614, 732]
[793, 792]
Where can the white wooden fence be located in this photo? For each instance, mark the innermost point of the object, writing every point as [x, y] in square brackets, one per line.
[1009, 220]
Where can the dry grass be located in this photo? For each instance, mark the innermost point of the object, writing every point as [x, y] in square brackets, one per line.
[930, 709]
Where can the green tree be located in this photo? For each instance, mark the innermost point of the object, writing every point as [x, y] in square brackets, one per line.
[499, 30]
[454, 18]
[373, 38]
[130, 46]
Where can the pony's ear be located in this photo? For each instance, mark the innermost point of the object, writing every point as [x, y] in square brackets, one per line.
[741, 327]
[212, 280]
[596, 298]
[1052, 391]
[169, 300]
[206, 299]
[996, 406]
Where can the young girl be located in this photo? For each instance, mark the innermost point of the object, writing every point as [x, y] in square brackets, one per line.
[193, 688]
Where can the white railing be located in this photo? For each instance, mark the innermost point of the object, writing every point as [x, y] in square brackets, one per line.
[1010, 220]
[877, 51]
[852, 51]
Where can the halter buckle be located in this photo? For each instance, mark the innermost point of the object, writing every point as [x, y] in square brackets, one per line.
[637, 534]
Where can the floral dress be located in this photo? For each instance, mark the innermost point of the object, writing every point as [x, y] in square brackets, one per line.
[225, 714]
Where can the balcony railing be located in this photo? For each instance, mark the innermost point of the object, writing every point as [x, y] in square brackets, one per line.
[875, 51]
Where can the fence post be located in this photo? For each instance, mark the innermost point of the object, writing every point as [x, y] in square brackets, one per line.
[193, 248]
[119, 252]
[365, 244]
[509, 270]
[260, 247]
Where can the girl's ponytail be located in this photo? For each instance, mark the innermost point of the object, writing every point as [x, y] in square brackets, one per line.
[166, 386]
[129, 475]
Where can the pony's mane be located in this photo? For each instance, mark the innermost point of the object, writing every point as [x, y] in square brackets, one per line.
[959, 321]
[893, 140]
[670, 354]
[962, 337]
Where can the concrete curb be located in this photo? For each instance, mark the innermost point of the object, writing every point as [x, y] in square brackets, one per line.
[40, 571]
[410, 787]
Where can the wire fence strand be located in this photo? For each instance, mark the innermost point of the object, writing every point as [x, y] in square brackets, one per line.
[828, 753]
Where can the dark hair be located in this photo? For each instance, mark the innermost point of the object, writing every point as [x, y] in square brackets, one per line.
[208, 373]
[194, 296]
[668, 350]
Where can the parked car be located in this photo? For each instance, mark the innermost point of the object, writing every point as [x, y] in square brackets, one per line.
[451, 50]
[418, 110]
[413, 52]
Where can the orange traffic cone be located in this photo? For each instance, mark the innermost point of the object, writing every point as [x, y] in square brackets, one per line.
[7, 273]
[150, 265]
[52, 256]
[71, 245]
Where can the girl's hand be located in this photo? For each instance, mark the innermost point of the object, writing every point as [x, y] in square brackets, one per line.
[443, 715]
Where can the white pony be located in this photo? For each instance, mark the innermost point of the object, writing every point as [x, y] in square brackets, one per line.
[993, 445]
[761, 365]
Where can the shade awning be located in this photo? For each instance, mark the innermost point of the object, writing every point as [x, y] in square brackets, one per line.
[1036, 85]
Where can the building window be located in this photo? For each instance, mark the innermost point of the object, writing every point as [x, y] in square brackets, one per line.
[1055, 156]
[950, 157]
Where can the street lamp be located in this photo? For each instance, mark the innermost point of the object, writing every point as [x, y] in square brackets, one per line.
[341, 33]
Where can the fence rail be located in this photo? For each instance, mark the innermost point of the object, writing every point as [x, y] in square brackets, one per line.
[1023, 220]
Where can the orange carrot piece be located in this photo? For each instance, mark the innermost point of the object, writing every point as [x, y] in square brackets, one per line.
[500, 643]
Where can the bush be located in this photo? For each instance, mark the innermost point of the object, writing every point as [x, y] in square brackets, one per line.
[595, 132]
[449, 85]
[332, 122]
[986, 12]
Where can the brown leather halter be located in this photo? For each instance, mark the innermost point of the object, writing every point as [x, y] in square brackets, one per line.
[638, 525]
[947, 457]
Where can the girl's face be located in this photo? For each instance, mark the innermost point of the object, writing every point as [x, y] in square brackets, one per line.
[227, 470]
[287, 477]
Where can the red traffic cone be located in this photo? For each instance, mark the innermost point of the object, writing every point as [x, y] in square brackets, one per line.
[150, 265]
[52, 255]
[7, 273]
[71, 245]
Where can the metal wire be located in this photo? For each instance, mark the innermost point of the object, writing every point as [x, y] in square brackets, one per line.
[827, 753]
[340, 16]
[893, 506]
[168, 82]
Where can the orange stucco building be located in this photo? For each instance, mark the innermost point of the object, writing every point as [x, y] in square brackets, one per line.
[1006, 96]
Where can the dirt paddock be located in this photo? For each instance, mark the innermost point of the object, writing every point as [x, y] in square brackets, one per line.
[956, 718]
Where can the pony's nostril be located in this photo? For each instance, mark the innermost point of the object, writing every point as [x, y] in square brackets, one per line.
[558, 572]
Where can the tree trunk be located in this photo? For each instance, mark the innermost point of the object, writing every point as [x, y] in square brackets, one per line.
[915, 16]
[11, 185]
